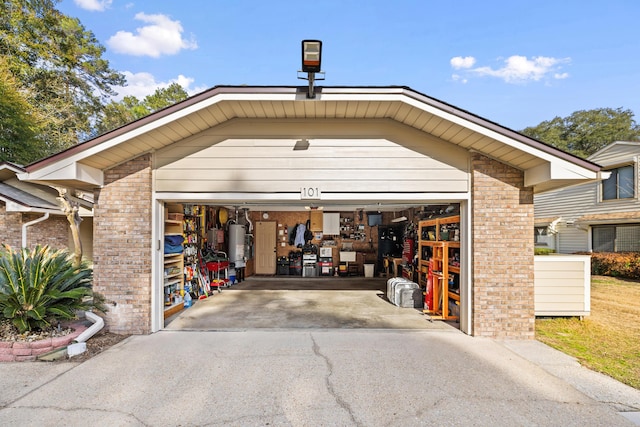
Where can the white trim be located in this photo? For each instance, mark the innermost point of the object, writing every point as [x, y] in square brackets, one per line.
[466, 285]
[157, 266]
[372, 198]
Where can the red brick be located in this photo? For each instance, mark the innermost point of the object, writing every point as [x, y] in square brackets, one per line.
[22, 352]
[7, 357]
[41, 350]
[29, 358]
[21, 345]
[41, 343]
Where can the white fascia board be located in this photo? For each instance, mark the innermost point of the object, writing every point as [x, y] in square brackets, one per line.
[70, 171]
[551, 171]
[400, 97]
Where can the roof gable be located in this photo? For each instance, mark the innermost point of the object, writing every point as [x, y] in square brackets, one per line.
[82, 166]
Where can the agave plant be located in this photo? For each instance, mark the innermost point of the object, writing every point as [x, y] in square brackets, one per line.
[40, 286]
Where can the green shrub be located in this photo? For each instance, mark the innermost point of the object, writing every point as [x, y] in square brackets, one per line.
[41, 286]
[543, 251]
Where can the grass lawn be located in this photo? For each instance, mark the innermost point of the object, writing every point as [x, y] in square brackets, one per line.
[608, 340]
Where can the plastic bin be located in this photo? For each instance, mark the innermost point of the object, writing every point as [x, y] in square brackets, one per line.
[368, 270]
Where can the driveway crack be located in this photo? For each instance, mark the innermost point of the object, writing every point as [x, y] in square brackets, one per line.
[339, 400]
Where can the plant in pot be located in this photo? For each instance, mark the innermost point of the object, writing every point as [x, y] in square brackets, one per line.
[41, 286]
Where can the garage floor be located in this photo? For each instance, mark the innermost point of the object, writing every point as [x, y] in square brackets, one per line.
[299, 303]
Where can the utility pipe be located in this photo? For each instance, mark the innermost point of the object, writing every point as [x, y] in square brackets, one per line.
[30, 223]
[98, 324]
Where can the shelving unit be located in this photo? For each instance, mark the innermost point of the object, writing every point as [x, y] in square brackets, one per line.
[173, 264]
[439, 265]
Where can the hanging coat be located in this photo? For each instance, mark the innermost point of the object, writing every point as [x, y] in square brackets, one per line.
[299, 239]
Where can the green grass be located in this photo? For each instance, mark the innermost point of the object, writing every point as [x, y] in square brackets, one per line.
[607, 341]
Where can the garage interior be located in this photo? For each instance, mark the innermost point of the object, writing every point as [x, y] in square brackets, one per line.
[347, 249]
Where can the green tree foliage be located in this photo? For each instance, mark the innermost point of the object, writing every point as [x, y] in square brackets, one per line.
[586, 131]
[19, 123]
[38, 287]
[119, 113]
[58, 69]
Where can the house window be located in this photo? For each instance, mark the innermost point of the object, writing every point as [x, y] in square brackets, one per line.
[616, 238]
[540, 236]
[620, 185]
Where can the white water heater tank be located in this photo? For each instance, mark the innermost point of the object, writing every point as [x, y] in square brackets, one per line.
[236, 245]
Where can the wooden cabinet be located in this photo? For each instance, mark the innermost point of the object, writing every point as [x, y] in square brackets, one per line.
[439, 265]
[173, 282]
[315, 220]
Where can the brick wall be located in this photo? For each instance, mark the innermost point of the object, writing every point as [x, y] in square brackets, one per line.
[53, 232]
[122, 246]
[502, 269]
[10, 227]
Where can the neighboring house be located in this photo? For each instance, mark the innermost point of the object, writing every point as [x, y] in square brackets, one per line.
[599, 216]
[259, 147]
[30, 215]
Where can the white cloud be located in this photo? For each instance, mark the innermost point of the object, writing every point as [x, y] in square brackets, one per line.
[143, 84]
[96, 5]
[458, 78]
[518, 69]
[161, 36]
[459, 62]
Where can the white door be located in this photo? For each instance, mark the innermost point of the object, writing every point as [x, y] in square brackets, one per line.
[265, 247]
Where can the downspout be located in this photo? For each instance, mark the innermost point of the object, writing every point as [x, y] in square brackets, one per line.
[30, 223]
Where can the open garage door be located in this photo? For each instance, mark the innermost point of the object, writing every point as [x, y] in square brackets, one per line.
[377, 238]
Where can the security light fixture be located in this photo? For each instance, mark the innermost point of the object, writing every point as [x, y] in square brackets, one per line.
[311, 63]
[311, 56]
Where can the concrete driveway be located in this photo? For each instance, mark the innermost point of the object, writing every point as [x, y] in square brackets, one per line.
[302, 303]
[211, 367]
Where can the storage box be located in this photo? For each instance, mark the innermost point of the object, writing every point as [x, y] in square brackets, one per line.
[175, 216]
[368, 270]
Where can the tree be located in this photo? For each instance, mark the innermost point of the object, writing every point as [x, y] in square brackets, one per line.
[19, 123]
[586, 131]
[119, 113]
[59, 70]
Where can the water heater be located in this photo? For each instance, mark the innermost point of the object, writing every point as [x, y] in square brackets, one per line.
[236, 245]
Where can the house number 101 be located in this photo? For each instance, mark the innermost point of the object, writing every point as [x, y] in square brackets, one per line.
[309, 193]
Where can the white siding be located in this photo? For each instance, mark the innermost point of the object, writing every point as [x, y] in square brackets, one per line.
[562, 285]
[404, 161]
[572, 239]
[571, 203]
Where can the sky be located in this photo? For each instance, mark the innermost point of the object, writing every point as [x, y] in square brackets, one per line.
[516, 63]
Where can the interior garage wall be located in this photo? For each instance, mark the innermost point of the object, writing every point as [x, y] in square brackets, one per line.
[503, 261]
[122, 245]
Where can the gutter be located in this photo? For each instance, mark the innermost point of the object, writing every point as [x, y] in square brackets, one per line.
[30, 223]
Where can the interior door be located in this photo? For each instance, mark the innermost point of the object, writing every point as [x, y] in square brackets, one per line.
[265, 247]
